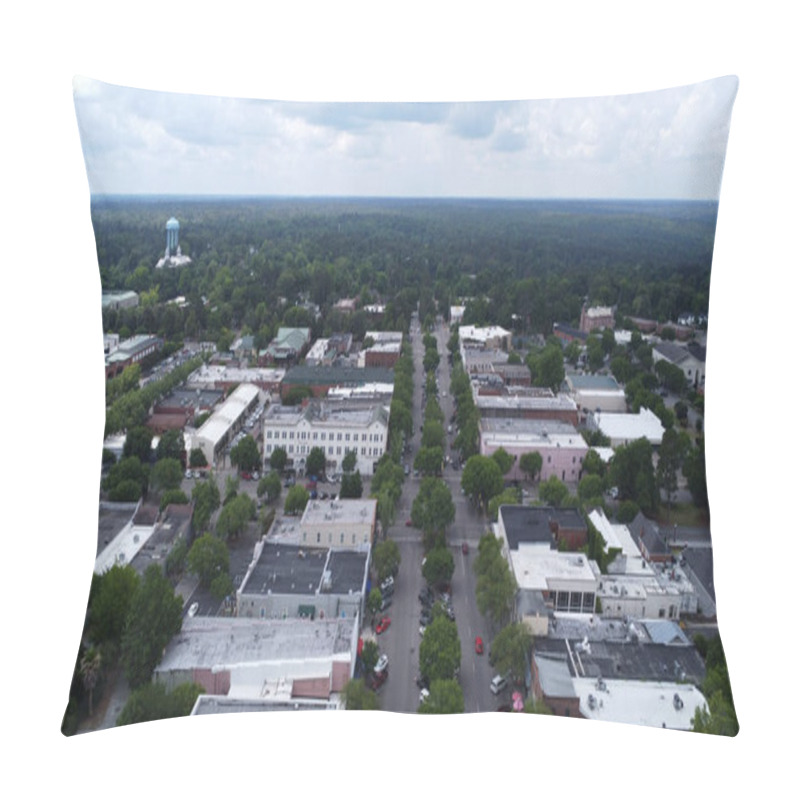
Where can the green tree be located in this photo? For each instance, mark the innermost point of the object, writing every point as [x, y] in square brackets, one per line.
[531, 463]
[111, 601]
[553, 492]
[296, 499]
[167, 473]
[171, 445]
[593, 464]
[370, 654]
[129, 477]
[235, 515]
[357, 697]
[694, 470]
[153, 619]
[386, 558]
[439, 566]
[504, 460]
[445, 697]
[481, 479]
[207, 558]
[374, 601]
[495, 587]
[278, 459]
[349, 461]
[433, 510]
[197, 458]
[631, 471]
[152, 701]
[91, 666]
[173, 497]
[440, 650]
[511, 496]
[245, 455]
[352, 485]
[590, 489]
[315, 462]
[670, 459]
[138, 442]
[207, 500]
[269, 485]
[511, 650]
[428, 460]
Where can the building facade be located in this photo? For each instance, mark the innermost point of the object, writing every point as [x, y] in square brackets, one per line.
[336, 426]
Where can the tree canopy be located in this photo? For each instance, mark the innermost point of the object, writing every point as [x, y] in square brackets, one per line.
[154, 617]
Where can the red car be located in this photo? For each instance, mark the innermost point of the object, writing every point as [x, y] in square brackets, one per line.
[464, 548]
[409, 523]
[478, 645]
[383, 625]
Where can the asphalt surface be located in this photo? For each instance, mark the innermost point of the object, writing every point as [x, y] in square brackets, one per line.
[401, 641]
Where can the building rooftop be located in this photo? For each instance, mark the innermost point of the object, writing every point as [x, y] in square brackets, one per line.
[217, 643]
[548, 570]
[634, 658]
[587, 382]
[333, 375]
[534, 524]
[517, 398]
[345, 512]
[127, 543]
[221, 704]
[653, 703]
[630, 427]
[294, 570]
[211, 375]
[475, 333]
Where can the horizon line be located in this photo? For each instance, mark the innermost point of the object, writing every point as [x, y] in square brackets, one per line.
[469, 198]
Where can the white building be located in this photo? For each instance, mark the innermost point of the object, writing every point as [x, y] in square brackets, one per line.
[597, 393]
[265, 661]
[625, 428]
[634, 587]
[218, 430]
[490, 336]
[337, 426]
[655, 704]
[568, 581]
[329, 523]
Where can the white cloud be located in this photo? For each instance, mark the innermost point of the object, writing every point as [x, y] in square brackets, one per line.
[633, 145]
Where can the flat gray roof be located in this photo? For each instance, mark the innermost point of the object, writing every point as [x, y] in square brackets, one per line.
[290, 569]
[220, 642]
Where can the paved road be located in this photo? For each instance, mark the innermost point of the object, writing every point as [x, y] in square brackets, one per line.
[401, 641]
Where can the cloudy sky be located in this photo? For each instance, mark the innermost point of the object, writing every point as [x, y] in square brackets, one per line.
[664, 144]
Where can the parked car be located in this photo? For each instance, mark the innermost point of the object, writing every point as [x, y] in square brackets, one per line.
[498, 684]
[387, 586]
[383, 625]
[382, 665]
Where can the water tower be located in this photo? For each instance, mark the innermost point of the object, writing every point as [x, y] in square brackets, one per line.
[172, 238]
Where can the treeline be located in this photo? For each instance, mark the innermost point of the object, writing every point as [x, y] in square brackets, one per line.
[527, 264]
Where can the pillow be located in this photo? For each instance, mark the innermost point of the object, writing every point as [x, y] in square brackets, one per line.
[265, 266]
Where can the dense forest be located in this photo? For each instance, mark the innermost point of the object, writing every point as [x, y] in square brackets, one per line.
[520, 264]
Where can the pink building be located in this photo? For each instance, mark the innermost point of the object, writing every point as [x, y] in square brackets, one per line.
[560, 445]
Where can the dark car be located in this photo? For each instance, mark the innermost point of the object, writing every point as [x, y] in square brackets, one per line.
[464, 548]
